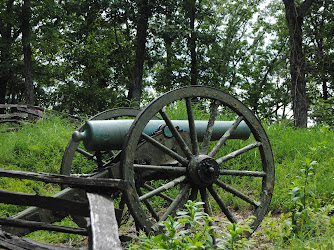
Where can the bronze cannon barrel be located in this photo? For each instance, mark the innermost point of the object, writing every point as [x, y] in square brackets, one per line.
[109, 134]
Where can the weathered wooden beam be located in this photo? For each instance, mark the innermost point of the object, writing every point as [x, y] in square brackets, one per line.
[85, 183]
[14, 115]
[72, 207]
[104, 228]
[49, 216]
[13, 242]
[29, 111]
[41, 226]
[13, 105]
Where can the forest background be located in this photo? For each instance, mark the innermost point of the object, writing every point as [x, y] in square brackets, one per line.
[86, 56]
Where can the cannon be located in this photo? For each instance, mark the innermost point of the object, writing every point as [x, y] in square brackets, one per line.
[110, 135]
[219, 154]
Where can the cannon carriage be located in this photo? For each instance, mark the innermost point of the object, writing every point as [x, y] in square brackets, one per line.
[219, 151]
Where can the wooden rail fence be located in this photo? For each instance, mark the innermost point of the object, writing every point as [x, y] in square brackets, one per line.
[18, 113]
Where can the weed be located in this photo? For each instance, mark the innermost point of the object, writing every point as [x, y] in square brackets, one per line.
[303, 199]
[307, 221]
[191, 229]
[234, 236]
[275, 229]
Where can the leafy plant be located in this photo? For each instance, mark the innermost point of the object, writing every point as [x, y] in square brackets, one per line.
[191, 229]
[322, 112]
[308, 223]
[234, 236]
[274, 229]
[302, 199]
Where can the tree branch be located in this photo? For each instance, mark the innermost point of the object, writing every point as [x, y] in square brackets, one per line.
[302, 9]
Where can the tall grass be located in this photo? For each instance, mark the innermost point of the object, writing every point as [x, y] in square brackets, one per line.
[35, 148]
[291, 147]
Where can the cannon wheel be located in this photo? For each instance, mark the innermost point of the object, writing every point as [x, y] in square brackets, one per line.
[203, 168]
[72, 147]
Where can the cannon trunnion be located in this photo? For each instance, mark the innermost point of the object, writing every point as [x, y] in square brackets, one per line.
[219, 154]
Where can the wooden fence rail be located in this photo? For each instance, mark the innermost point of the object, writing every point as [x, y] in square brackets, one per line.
[18, 113]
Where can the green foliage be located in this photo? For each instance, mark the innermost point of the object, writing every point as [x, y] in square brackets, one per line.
[322, 112]
[84, 52]
[275, 229]
[234, 236]
[307, 221]
[34, 148]
[191, 229]
[302, 198]
[291, 147]
[38, 147]
[66, 239]
[318, 234]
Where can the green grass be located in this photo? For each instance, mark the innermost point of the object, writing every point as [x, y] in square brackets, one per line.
[35, 148]
[65, 239]
[291, 147]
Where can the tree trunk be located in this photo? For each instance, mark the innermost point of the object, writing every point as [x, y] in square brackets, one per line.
[167, 79]
[27, 67]
[4, 71]
[294, 17]
[135, 89]
[192, 43]
[322, 70]
[5, 62]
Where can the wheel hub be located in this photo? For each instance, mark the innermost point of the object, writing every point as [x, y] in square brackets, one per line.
[203, 170]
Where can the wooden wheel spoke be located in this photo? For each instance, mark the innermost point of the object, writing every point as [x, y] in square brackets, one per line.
[92, 157]
[202, 172]
[176, 135]
[243, 173]
[209, 128]
[163, 188]
[193, 194]
[237, 193]
[165, 149]
[182, 196]
[221, 204]
[166, 197]
[238, 152]
[192, 129]
[181, 170]
[207, 207]
[225, 137]
[148, 205]
[204, 196]
[86, 154]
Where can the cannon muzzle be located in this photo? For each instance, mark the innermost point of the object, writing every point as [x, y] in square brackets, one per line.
[108, 135]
